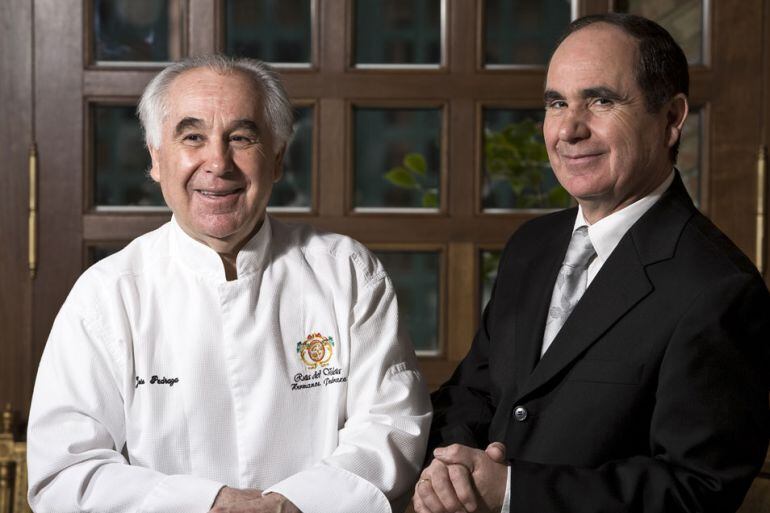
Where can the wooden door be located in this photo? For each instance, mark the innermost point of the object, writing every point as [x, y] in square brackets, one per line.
[59, 86]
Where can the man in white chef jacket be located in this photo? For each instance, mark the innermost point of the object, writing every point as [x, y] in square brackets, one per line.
[226, 362]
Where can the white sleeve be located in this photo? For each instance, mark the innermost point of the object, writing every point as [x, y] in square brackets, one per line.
[382, 443]
[76, 433]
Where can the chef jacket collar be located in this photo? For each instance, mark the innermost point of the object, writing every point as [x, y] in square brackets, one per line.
[203, 260]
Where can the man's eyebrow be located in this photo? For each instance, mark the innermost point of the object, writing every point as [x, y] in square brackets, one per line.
[601, 92]
[186, 123]
[244, 124]
[550, 95]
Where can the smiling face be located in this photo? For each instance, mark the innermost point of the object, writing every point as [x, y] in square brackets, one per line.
[217, 160]
[606, 149]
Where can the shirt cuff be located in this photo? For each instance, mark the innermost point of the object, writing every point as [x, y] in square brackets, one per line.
[182, 494]
[507, 499]
[323, 488]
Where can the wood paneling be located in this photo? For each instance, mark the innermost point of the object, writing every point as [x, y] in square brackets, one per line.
[59, 133]
[735, 119]
[15, 132]
[766, 128]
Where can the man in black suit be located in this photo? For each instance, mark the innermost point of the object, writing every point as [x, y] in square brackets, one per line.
[622, 361]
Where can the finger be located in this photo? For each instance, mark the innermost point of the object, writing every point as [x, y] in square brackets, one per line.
[496, 452]
[457, 454]
[463, 485]
[428, 499]
[418, 505]
[443, 487]
[436, 490]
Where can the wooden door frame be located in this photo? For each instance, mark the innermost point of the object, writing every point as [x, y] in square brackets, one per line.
[733, 87]
[766, 136]
[58, 99]
[62, 88]
[16, 360]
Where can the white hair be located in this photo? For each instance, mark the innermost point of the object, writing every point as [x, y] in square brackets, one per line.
[153, 106]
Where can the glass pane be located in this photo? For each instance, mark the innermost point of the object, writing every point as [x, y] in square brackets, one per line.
[415, 275]
[120, 160]
[269, 30]
[397, 157]
[398, 32]
[523, 31]
[517, 173]
[690, 149]
[294, 190]
[136, 30]
[489, 263]
[682, 18]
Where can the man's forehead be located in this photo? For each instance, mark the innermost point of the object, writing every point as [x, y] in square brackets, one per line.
[597, 55]
[601, 35]
[201, 92]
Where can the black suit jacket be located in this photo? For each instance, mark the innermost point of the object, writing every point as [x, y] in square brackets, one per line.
[653, 397]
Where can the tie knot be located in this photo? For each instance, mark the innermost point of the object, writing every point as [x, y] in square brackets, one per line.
[580, 250]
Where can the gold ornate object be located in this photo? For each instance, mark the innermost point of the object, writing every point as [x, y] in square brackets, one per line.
[32, 212]
[13, 468]
[5, 488]
[761, 186]
[7, 424]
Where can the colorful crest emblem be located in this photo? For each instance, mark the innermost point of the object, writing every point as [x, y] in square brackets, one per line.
[316, 350]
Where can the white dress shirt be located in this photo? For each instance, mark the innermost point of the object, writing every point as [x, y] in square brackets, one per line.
[161, 381]
[605, 235]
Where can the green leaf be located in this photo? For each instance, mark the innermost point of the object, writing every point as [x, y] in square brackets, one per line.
[400, 177]
[491, 260]
[430, 199]
[415, 162]
[558, 197]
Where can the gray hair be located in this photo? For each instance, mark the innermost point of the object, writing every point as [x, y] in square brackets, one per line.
[153, 106]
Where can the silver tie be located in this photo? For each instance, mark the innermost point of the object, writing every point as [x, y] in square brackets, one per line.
[570, 284]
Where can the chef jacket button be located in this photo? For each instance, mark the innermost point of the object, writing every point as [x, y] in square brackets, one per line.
[520, 413]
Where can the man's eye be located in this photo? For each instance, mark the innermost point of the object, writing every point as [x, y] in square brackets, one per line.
[603, 102]
[241, 139]
[192, 138]
[556, 104]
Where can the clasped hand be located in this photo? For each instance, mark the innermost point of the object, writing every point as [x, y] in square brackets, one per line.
[463, 479]
[233, 500]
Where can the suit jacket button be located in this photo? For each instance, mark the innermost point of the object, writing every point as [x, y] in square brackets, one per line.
[520, 413]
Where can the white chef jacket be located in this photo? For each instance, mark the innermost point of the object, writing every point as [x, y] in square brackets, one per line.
[161, 381]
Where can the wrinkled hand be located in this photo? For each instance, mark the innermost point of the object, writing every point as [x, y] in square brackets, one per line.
[233, 500]
[444, 488]
[229, 496]
[463, 479]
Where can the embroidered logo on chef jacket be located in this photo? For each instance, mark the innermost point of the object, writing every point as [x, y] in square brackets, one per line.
[316, 352]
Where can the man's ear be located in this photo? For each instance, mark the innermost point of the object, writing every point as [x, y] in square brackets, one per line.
[678, 108]
[278, 165]
[154, 171]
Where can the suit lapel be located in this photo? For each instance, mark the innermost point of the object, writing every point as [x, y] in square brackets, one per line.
[537, 279]
[621, 283]
[616, 289]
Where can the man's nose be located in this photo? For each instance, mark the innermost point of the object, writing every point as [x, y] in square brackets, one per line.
[574, 125]
[219, 158]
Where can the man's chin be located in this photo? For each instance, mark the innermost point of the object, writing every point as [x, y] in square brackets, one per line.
[227, 233]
